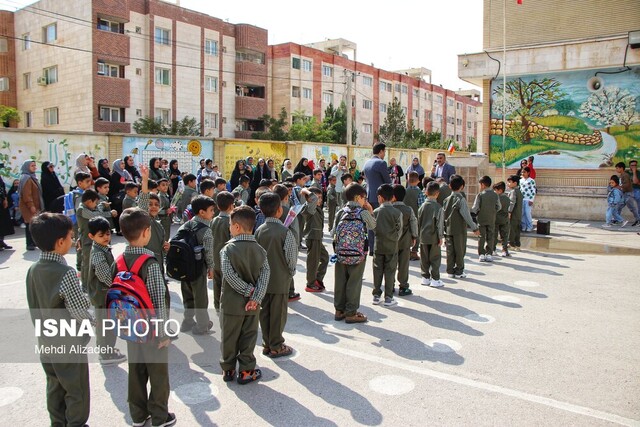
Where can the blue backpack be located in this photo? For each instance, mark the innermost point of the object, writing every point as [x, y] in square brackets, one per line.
[70, 206]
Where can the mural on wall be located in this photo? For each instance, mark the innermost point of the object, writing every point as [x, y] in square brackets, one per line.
[187, 152]
[361, 155]
[327, 152]
[60, 149]
[258, 150]
[403, 158]
[571, 120]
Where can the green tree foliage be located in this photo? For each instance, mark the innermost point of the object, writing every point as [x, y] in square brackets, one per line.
[335, 122]
[394, 127]
[188, 126]
[565, 106]
[274, 127]
[8, 114]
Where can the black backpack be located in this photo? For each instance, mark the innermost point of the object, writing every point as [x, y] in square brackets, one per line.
[185, 258]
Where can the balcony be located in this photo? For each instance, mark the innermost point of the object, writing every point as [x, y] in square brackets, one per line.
[111, 91]
[250, 108]
[111, 47]
[251, 73]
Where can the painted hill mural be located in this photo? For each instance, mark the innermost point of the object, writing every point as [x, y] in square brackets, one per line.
[573, 120]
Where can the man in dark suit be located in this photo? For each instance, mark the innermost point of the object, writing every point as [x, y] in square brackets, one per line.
[442, 169]
[376, 173]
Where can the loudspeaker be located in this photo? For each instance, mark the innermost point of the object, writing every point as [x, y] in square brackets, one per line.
[595, 84]
[543, 227]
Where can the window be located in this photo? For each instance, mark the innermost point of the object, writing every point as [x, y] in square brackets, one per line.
[164, 115]
[26, 81]
[210, 84]
[4, 45]
[295, 91]
[450, 120]
[4, 84]
[458, 138]
[327, 97]
[306, 93]
[163, 76]
[404, 111]
[468, 125]
[383, 107]
[397, 87]
[26, 41]
[50, 75]
[470, 109]
[416, 114]
[211, 120]
[250, 56]
[439, 99]
[295, 63]
[327, 71]
[416, 92]
[367, 104]
[439, 119]
[112, 114]
[49, 33]
[211, 47]
[449, 102]
[163, 36]
[367, 128]
[459, 122]
[306, 65]
[367, 81]
[138, 112]
[112, 26]
[384, 86]
[108, 70]
[405, 89]
[51, 116]
[28, 119]
[429, 116]
[458, 105]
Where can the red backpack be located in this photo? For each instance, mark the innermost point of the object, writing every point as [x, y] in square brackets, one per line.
[128, 302]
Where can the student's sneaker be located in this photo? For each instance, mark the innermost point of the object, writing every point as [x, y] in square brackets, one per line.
[462, 275]
[376, 300]
[482, 258]
[171, 421]
[488, 258]
[314, 287]
[294, 296]
[246, 377]
[607, 225]
[142, 423]
[451, 276]
[425, 281]
[197, 330]
[112, 358]
[389, 302]
[635, 224]
[403, 292]
[436, 283]
[624, 223]
[505, 254]
[229, 375]
[516, 249]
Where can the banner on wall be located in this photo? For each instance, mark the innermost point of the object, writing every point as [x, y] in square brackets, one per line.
[327, 152]
[187, 151]
[258, 150]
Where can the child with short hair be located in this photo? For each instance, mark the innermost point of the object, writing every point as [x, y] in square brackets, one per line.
[150, 202]
[414, 198]
[407, 239]
[331, 200]
[445, 190]
[189, 192]
[53, 289]
[99, 282]
[317, 179]
[165, 207]
[283, 192]
[431, 225]
[615, 199]
[221, 235]
[486, 206]
[130, 199]
[194, 293]
[282, 253]
[346, 179]
[148, 362]
[502, 220]
[626, 186]
[208, 187]
[348, 277]
[515, 211]
[221, 185]
[317, 255]
[387, 233]
[84, 182]
[456, 220]
[242, 190]
[243, 289]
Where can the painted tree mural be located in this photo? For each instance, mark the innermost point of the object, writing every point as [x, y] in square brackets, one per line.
[610, 107]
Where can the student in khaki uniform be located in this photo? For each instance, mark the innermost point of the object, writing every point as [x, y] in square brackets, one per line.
[221, 235]
[317, 255]
[348, 278]
[190, 182]
[515, 211]
[407, 240]
[245, 279]
[445, 191]
[53, 291]
[148, 362]
[414, 199]
[486, 206]
[431, 226]
[283, 192]
[502, 220]
[104, 205]
[387, 233]
[130, 199]
[332, 201]
[150, 202]
[84, 182]
[456, 220]
[165, 207]
[282, 255]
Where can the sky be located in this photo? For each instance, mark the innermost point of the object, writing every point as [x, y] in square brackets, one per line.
[392, 35]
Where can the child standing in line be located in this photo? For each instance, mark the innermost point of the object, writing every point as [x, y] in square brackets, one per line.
[317, 255]
[102, 188]
[515, 211]
[189, 192]
[407, 239]
[317, 179]
[282, 255]
[615, 199]
[165, 207]
[331, 200]
[84, 182]
[414, 198]
[486, 206]
[99, 282]
[150, 202]
[456, 220]
[387, 233]
[221, 235]
[130, 199]
[53, 287]
[283, 192]
[348, 277]
[148, 362]
[502, 220]
[431, 225]
[242, 190]
[260, 216]
[346, 179]
[243, 288]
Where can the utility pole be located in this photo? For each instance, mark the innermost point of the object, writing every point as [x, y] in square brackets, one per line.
[347, 102]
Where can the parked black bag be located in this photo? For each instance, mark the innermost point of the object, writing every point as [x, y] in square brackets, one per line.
[185, 257]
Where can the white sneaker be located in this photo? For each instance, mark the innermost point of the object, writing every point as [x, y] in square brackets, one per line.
[376, 300]
[505, 254]
[495, 254]
[606, 225]
[389, 302]
[462, 275]
[482, 258]
[436, 283]
[425, 281]
[624, 223]
[488, 258]
[23, 225]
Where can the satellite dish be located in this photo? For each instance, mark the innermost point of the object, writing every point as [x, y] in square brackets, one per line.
[595, 84]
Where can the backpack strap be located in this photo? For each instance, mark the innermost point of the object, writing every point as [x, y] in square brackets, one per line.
[121, 264]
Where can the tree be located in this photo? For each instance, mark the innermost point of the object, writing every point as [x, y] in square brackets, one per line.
[533, 98]
[565, 106]
[8, 114]
[188, 126]
[609, 107]
[394, 128]
[335, 122]
[504, 105]
[275, 127]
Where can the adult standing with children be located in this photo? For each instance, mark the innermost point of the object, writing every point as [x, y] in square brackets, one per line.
[376, 173]
[51, 187]
[31, 202]
[442, 169]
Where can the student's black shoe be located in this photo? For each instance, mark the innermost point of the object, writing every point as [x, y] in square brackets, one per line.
[171, 421]
[187, 325]
[31, 248]
[197, 330]
[229, 375]
[403, 292]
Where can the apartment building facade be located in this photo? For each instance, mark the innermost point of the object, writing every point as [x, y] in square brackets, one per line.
[100, 65]
[306, 79]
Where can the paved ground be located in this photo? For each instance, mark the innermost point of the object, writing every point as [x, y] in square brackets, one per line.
[543, 338]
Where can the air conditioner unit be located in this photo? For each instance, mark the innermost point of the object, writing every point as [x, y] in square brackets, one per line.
[224, 49]
[42, 81]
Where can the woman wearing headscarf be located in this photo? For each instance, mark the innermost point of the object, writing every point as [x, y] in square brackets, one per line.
[303, 166]
[354, 171]
[104, 168]
[273, 173]
[81, 165]
[239, 170]
[154, 169]
[31, 202]
[417, 168]
[287, 169]
[51, 187]
[130, 166]
[261, 172]
[6, 225]
[174, 175]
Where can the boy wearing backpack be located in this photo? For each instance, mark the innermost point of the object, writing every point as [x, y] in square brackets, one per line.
[282, 255]
[283, 192]
[188, 193]
[221, 235]
[53, 288]
[387, 233]
[72, 201]
[148, 362]
[242, 190]
[431, 226]
[194, 290]
[407, 240]
[317, 255]
[349, 234]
